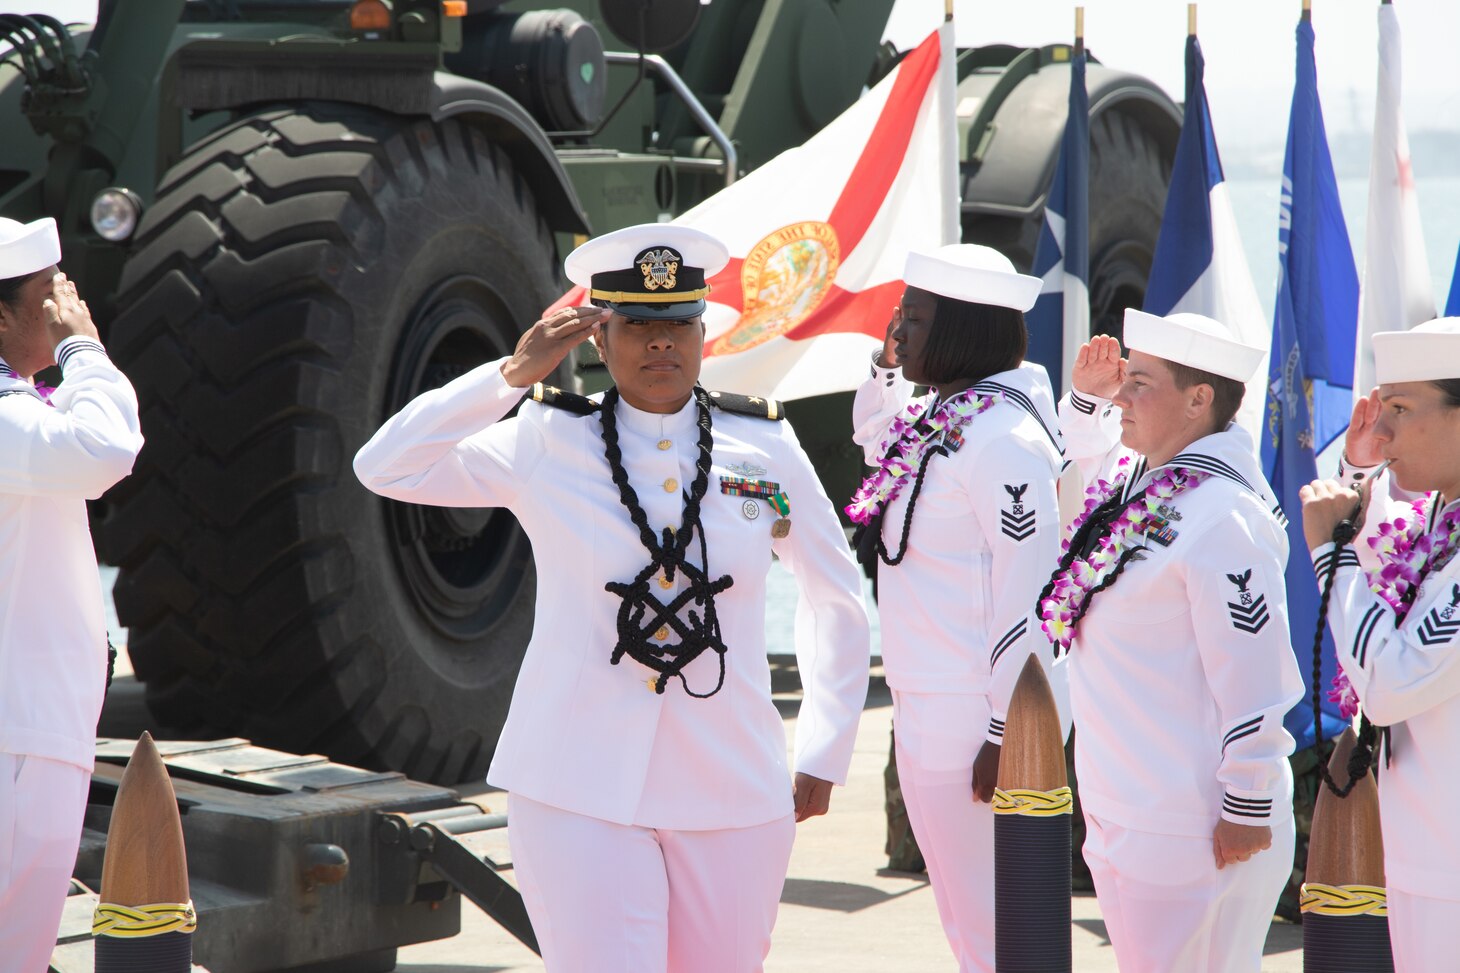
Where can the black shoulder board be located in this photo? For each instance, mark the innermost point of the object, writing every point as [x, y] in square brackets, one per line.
[558, 399]
[748, 405]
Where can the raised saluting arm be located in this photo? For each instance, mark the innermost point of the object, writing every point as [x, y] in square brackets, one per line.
[880, 398]
[449, 446]
[92, 436]
[1089, 422]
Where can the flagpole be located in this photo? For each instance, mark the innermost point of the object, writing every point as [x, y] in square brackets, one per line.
[1191, 19]
[1079, 31]
[1308, 9]
[947, 11]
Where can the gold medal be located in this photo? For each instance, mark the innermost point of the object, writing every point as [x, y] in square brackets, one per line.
[782, 505]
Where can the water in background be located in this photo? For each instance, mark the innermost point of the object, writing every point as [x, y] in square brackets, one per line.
[1255, 202]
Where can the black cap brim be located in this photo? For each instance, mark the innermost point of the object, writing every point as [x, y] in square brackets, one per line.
[659, 312]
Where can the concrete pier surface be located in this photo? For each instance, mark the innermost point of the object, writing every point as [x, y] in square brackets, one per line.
[842, 911]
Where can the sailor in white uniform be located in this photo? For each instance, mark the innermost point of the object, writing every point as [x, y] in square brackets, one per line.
[58, 448]
[961, 513]
[651, 809]
[1399, 645]
[1172, 603]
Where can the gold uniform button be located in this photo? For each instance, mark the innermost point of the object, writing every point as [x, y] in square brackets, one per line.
[662, 634]
[665, 583]
[665, 444]
[670, 485]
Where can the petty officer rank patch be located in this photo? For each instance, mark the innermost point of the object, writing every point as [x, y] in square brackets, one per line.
[1017, 522]
[1443, 621]
[1249, 612]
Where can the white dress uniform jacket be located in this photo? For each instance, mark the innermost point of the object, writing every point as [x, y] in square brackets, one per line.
[1182, 670]
[590, 737]
[984, 536]
[1408, 678]
[57, 456]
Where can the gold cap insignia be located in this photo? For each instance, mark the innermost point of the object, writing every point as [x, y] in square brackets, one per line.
[660, 267]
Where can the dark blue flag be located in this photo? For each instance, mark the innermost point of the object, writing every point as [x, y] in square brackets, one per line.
[1452, 305]
[1199, 265]
[1059, 322]
[1310, 373]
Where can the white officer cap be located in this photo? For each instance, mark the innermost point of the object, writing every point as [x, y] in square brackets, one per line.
[654, 270]
[1424, 353]
[27, 248]
[968, 272]
[1194, 340]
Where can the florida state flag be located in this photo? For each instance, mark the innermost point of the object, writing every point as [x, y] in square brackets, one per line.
[818, 236]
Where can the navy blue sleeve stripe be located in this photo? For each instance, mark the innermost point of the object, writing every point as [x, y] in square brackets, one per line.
[1365, 632]
[1237, 731]
[1010, 637]
[1081, 404]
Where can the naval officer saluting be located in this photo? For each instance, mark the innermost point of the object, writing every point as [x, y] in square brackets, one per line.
[1396, 627]
[652, 812]
[963, 517]
[58, 449]
[1171, 603]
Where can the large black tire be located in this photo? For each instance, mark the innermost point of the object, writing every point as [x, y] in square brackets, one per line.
[1128, 178]
[303, 274]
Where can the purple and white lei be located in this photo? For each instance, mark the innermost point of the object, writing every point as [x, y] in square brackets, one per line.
[43, 390]
[1406, 555]
[909, 438]
[1070, 589]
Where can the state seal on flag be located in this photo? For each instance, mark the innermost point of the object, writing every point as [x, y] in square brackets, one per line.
[784, 278]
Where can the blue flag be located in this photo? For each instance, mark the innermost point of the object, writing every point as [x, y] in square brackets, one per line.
[1200, 266]
[1452, 304]
[1310, 371]
[1059, 322]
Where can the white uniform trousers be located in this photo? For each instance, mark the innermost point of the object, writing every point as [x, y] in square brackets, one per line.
[937, 736]
[1168, 907]
[612, 898]
[42, 803]
[1422, 932]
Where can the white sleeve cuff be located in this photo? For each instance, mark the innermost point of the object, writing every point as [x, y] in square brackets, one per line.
[76, 349]
[1252, 808]
[1328, 557]
[1350, 475]
[1087, 405]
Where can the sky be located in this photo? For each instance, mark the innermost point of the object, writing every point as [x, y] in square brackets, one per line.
[1248, 46]
[1249, 50]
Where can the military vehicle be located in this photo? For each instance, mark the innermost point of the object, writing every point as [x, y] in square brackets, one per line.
[292, 216]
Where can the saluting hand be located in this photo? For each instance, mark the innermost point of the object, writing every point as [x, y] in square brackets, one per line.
[66, 313]
[888, 358]
[1360, 448]
[1099, 370]
[812, 796]
[544, 345]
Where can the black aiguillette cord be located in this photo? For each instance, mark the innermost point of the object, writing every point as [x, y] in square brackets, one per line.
[641, 615]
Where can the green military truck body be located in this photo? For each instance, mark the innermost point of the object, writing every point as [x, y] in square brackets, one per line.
[289, 226]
